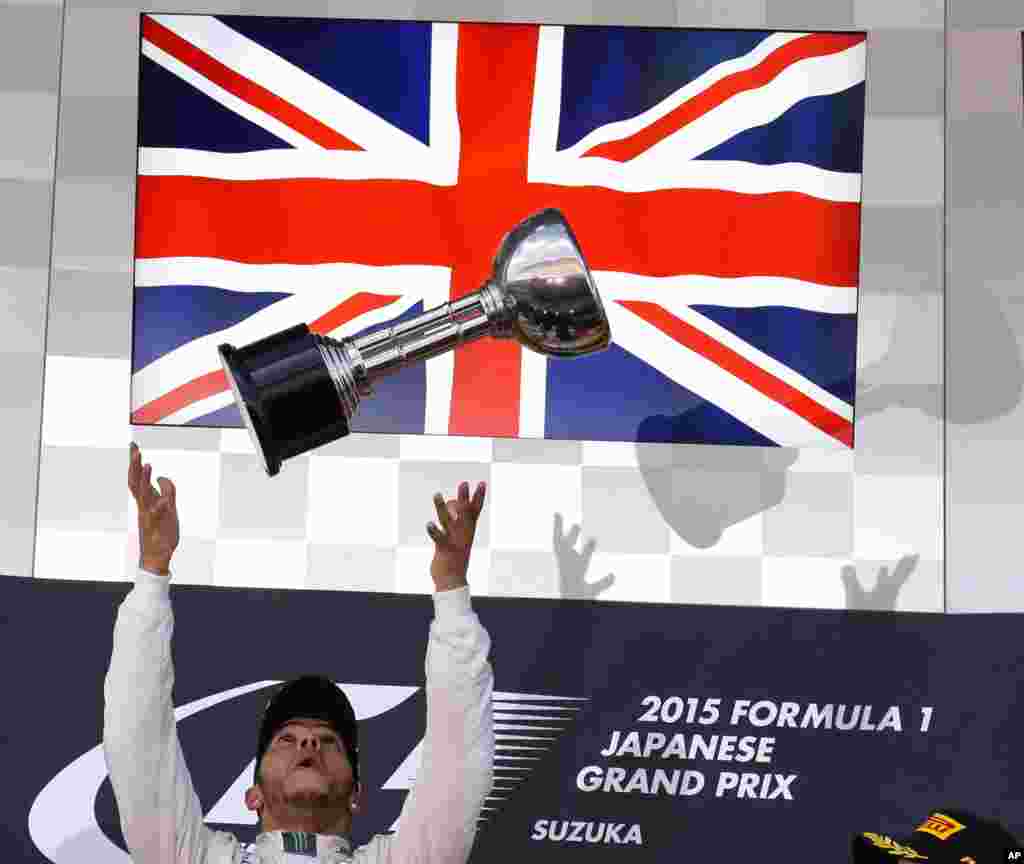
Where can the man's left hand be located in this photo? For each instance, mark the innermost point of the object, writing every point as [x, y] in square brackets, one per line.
[453, 540]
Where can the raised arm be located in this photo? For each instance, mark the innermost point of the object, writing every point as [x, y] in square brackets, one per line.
[161, 817]
[438, 821]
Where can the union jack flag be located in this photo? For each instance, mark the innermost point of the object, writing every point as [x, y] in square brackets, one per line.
[347, 174]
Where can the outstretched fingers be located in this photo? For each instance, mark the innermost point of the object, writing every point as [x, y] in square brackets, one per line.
[465, 508]
[462, 511]
[904, 567]
[134, 470]
[439, 535]
[588, 552]
[434, 533]
[168, 494]
[140, 484]
[148, 496]
[478, 497]
[574, 535]
[444, 518]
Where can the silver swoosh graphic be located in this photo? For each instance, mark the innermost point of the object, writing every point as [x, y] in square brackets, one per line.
[62, 821]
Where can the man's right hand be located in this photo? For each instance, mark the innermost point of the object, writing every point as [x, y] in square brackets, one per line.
[158, 515]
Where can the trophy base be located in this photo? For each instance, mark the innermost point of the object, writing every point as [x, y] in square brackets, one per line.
[286, 395]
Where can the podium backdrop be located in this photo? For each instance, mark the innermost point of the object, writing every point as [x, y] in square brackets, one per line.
[654, 732]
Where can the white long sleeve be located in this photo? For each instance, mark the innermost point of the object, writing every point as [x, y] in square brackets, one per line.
[438, 822]
[161, 817]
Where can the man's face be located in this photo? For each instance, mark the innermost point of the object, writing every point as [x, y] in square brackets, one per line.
[306, 768]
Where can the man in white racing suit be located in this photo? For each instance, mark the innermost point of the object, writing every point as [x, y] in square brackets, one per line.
[306, 788]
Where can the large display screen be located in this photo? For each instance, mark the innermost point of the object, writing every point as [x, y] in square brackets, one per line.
[349, 174]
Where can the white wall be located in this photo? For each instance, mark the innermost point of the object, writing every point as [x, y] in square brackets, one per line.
[985, 260]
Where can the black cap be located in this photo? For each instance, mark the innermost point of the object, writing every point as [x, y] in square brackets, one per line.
[317, 698]
[947, 835]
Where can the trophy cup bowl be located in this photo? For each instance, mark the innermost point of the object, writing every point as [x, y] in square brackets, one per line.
[297, 390]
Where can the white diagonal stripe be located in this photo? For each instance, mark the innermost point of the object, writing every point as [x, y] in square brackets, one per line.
[660, 170]
[548, 95]
[813, 76]
[312, 160]
[319, 287]
[228, 100]
[504, 747]
[520, 706]
[294, 85]
[501, 726]
[678, 294]
[535, 697]
[713, 383]
[764, 361]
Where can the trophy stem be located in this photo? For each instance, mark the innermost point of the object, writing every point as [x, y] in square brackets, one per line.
[355, 364]
[434, 332]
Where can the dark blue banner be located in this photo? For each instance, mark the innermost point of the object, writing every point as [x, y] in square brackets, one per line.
[645, 732]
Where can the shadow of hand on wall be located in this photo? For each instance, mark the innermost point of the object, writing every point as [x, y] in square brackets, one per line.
[572, 565]
[700, 490]
[886, 592]
[987, 379]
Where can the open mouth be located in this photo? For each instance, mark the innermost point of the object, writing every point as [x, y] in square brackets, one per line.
[308, 762]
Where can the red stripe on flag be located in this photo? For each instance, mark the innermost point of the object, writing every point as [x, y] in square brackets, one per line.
[489, 197]
[383, 222]
[716, 233]
[216, 382]
[353, 307]
[749, 79]
[198, 388]
[244, 88]
[764, 382]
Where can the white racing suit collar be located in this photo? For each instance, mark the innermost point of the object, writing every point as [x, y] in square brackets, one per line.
[298, 847]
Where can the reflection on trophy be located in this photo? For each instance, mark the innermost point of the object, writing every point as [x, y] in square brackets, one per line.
[298, 390]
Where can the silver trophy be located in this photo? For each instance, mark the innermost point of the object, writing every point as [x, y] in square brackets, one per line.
[298, 390]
